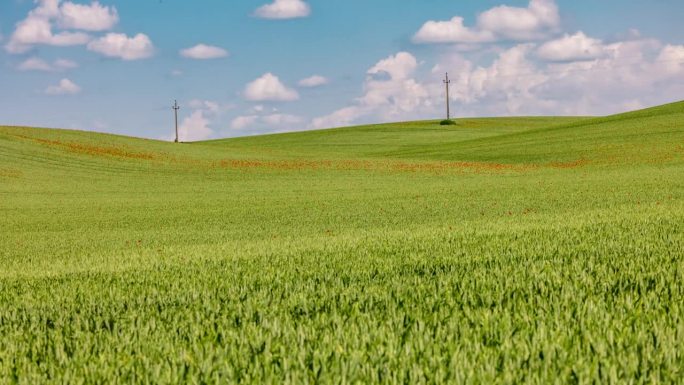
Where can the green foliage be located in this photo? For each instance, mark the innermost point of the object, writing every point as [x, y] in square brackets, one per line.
[527, 250]
[447, 122]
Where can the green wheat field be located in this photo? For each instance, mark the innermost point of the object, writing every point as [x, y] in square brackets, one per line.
[493, 251]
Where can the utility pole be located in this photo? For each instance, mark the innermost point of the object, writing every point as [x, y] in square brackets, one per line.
[447, 82]
[175, 112]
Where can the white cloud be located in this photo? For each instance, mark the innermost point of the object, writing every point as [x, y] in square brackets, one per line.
[203, 51]
[93, 17]
[313, 81]
[242, 122]
[671, 59]
[452, 31]
[627, 74]
[533, 22]
[340, 118]
[37, 27]
[195, 127]
[537, 21]
[283, 9]
[37, 64]
[65, 87]
[118, 45]
[399, 66]
[281, 119]
[64, 64]
[391, 93]
[269, 88]
[572, 48]
[273, 122]
[36, 30]
[511, 78]
[207, 105]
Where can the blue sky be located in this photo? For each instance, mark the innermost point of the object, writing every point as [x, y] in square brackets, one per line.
[248, 67]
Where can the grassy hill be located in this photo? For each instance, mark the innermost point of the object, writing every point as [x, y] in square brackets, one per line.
[499, 250]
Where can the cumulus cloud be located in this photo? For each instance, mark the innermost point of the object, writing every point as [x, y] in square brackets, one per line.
[207, 105]
[534, 22]
[65, 87]
[313, 81]
[575, 47]
[278, 120]
[37, 30]
[391, 93]
[93, 17]
[242, 122]
[671, 60]
[118, 45]
[621, 76]
[452, 31]
[203, 52]
[283, 9]
[37, 27]
[37, 64]
[627, 74]
[195, 127]
[539, 19]
[273, 122]
[269, 88]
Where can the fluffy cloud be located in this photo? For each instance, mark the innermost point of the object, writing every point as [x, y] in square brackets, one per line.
[533, 22]
[391, 93]
[242, 122]
[37, 64]
[203, 52]
[65, 87]
[36, 30]
[206, 105]
[537, 21]
[313, 81]
[118, 45]
[511, 80]
[93, 17]
[195, 127]
[284, 9]
[269, 88]
[273, 122]
[452, 31]
[37, 27]
[671, 60]
[627, 75]
[575, 47]
[622, 75]
[278, 120]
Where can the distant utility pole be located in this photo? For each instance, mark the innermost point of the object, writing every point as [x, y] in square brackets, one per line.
[447, 82]
[175, 112]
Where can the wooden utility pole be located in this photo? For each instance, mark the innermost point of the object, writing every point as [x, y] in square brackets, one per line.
[175, 113]
[447, 82]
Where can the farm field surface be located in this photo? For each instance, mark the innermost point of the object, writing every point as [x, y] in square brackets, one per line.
[502, 250]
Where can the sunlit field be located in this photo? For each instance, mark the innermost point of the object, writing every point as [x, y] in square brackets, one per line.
[539, 250]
